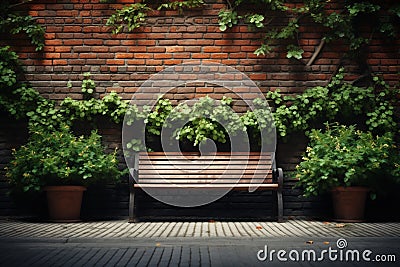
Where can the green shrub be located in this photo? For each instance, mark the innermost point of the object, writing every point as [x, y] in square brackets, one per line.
[344, 156]
[60, 158]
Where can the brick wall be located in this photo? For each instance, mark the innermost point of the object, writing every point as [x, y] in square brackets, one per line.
[78, 41]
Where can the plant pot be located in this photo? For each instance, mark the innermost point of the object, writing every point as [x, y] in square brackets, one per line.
[64, 203]
[349, 203]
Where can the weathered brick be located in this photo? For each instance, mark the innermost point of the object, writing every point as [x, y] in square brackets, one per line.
[172, 49]
[162, 56]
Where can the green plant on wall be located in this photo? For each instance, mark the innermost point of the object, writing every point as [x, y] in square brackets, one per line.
[371, 108]
[133, 16]
[13, 22]
[344, 23]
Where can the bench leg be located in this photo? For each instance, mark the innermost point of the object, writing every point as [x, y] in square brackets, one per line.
[280, 205]
[132, 206]
[279, 194]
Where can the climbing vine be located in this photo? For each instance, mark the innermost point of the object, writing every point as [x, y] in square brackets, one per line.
[341, 20]
[371, 108]
[13, 22]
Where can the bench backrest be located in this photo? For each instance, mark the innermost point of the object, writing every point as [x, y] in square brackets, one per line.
[217, 168]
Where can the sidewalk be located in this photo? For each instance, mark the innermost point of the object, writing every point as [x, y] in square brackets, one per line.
[118, 243]
[123, 229]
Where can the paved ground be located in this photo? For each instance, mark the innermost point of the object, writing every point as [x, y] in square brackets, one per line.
[118, 243]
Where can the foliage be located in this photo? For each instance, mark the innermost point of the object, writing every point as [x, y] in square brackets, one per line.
[8, 69]
[207, 119]
[21, 100]
[370, 108]
[343, 24]
[60, 158]
[133, 16]
[156, 118]
[180, 5]
[344, 156]
[13, 22]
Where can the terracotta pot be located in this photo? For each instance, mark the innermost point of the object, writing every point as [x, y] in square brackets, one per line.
[64, 202]
[349, 203]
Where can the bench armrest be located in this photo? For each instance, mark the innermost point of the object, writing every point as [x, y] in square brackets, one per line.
[278, 177]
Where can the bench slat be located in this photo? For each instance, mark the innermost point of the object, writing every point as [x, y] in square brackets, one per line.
[203, 176]
[202, 162]
[216, 169]
[203, 181]
[244, 185]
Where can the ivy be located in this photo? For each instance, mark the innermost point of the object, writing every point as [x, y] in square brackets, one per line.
[13, 22]
[227, 18]
[371, 107]
[342, 25]
[181, 5]
[132, 16]
[23, 101]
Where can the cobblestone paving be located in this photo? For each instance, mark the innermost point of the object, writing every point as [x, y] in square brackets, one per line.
[123, 229]
[119, 243]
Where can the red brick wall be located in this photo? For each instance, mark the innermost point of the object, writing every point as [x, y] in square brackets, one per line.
[78, 41]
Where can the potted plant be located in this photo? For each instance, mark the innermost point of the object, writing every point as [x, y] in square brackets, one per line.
[63, 165]
[349, 163]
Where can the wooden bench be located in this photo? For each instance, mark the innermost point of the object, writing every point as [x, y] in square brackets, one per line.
[188, 170]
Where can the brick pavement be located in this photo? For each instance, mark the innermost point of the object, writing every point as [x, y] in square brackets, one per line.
[118, 243]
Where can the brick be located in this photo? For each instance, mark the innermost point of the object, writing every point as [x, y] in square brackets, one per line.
[143, 55]
[105, 55]
[258, 76]
[136, 62]
[146, 42]
[156, 49]
[212, 49]
[99, 49]
[204, 89]
[72, 29]
[172, 49]
[60, 62]
[114, 49]
[62, 49]
[219, 55]
[93, 42]
[67, 13]
[137, 49]
[192, 35]
[182, 55]
[230, 61]
[153, 62]
[162, 56]
[124, 55]
[201, 55]
[115, 61]
[87, 55]
[193, 49]
[73, 42]
[52, 55]
[230, 49]
[170, 62]
[195, 42]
